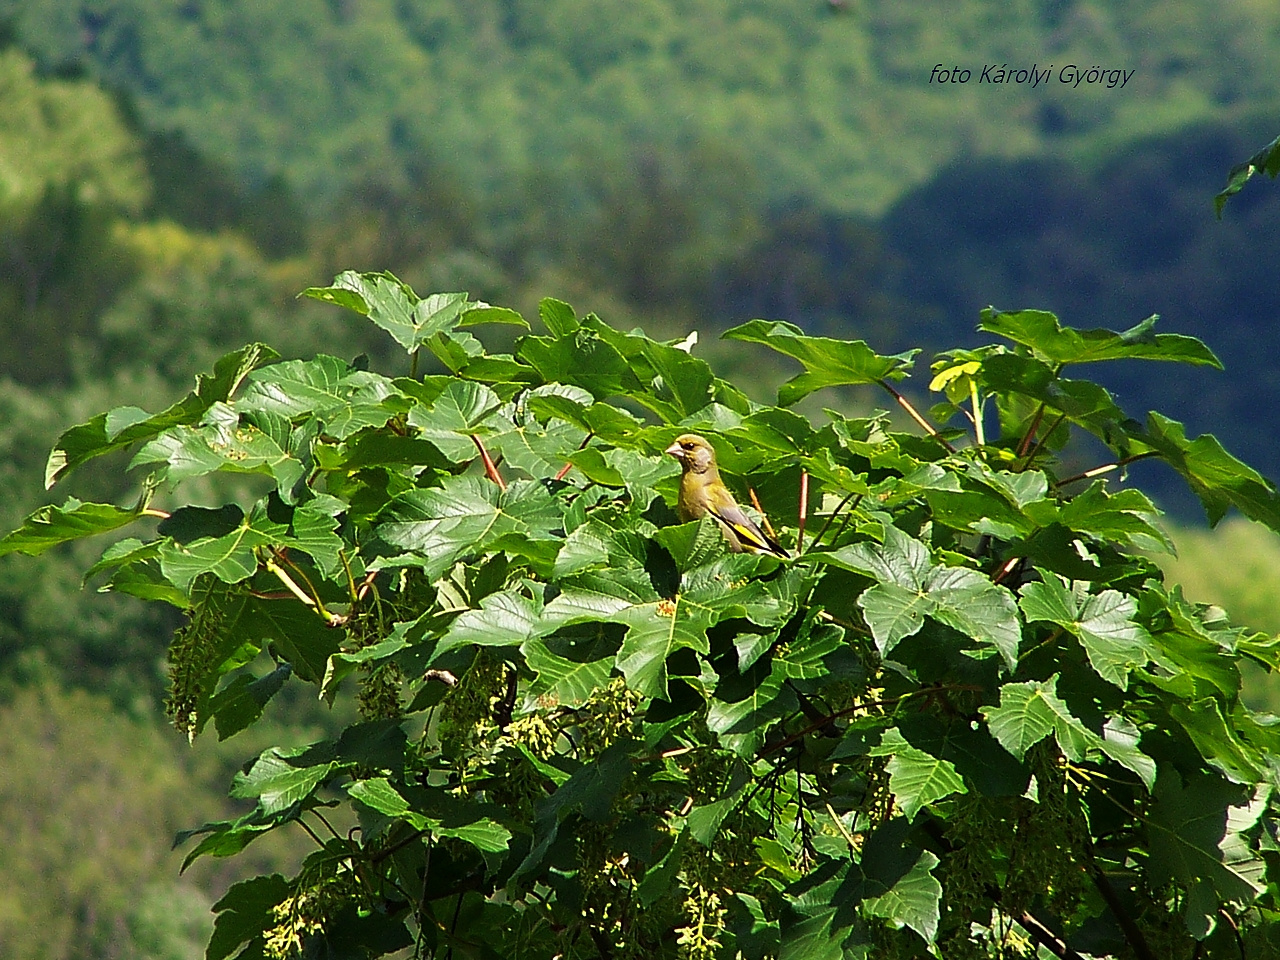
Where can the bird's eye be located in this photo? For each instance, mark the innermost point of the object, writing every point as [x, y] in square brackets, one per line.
[687, 445]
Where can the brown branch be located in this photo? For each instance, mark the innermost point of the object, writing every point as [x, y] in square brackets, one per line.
[1130, 929]
[271, 594]
[1006, 569]
[1107, 468]
[1042, 935]
[1235, 928]
[755, 502]
[1031, 431]
[1044, 438]
[490, 468]
[892, 701]
[564, 471]
[508, 705]
[1035, 927]
[925, 425]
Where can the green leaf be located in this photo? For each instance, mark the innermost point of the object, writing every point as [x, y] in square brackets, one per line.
[1120, 739]
[571, 665]
[462, 409]
[671, 382]
[1218, 743]
[230, 556]
[484, 313]
[827, 362]
[589, 792]
[228, 837]
[1196, 838]
[295, 630]
[1080, 401]
[607, 422]
[1217, 478]
[584, 360]
[970, 748]
[812, 939]
[341, 397]
[280, 778]
[1266, 160]
[1029, 712]
[1126, 517]
[442, 817]
[507, 618]
[558, 317]
[746, 704]
[392, 305]
[221, 442]
[245, 912]
[469, 515]
[1058, 345]
[910, 587]
[378, 794]
[50, 526]
[240, 703]
[916, 778]
[1103, 622]
[914, 901]
[126, 425]
[342, 665]
[704, 821]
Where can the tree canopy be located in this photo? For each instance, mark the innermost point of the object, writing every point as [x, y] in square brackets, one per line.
[966, 713]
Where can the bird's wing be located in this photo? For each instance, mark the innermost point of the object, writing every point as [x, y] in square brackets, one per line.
[748, 532]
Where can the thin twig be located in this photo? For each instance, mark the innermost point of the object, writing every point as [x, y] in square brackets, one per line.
[564, 471]
[892, 701]
[508, 704]
[1006, 569]
[314, 836]
[490, 468]
[320, 816]
[1031, 431]
[755, 502]
[925, 425]
[1107, 468]
[453, 927]
[313, 599]
[1046, 937]
[804, 509]
[844, 831]
[1130, 929]
[1235, 928]
[847, 517]
[366, 585]
[839, 507]
[1044, 438]
[397, 846]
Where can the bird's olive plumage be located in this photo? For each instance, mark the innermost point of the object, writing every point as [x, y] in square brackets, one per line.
[703, 494]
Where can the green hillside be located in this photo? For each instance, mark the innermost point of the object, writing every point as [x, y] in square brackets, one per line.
[816, 100]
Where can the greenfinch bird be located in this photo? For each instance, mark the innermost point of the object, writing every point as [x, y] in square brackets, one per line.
[703, 494]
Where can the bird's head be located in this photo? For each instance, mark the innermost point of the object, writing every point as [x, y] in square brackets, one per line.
[693, 452]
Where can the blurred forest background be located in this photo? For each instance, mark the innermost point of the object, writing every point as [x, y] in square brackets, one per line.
[173, 173]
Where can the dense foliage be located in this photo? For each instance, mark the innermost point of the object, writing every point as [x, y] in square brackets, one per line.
[966, 712]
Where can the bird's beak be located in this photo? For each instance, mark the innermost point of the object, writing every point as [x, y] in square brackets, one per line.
[675, 451]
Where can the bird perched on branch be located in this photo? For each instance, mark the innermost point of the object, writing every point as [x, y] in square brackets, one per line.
[703, 494]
